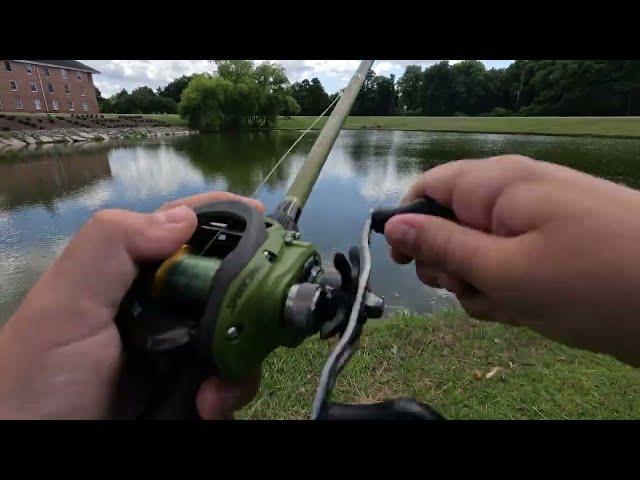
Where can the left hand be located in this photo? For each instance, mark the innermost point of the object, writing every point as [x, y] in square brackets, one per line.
[60, 353]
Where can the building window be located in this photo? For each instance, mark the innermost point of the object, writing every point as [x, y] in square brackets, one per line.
[85, 106]
[82, 93]
[14, 85]
[64, 73]
[54, 104]
[70, 105]
[29, 69]
[50, 87]
[7, 65]
[79, 75]
[37, 103]
[0, 104]
[19, 104]
[33, 87]
[66, 89]
[46, 71]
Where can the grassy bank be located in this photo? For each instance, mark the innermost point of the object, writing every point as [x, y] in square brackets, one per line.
[571, 126]
[445, 360]
[593, 126]
[171, 119]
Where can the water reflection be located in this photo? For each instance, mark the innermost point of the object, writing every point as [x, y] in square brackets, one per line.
[45, 198]
[242, 160]
[43, 180]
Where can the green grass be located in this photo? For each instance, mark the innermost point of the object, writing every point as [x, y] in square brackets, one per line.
[443, 360]
[170, 118]
[593, 126]
[571, 126]
[588, 126]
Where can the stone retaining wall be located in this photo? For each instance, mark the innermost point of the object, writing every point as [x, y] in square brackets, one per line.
[22, 139]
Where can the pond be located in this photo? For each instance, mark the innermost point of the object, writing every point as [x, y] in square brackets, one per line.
[45, 197]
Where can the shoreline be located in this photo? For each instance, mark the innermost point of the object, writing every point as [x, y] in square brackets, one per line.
[15, 141]
[19, 140]
[588, 127]
[475, 132]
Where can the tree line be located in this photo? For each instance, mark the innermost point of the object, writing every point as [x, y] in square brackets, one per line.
[241, 94]
[526, 87]
[145, 99]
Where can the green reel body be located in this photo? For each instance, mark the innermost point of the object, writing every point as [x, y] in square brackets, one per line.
[250, 325]
[224, 291]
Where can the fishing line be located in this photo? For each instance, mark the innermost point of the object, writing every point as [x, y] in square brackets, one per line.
[275, 167]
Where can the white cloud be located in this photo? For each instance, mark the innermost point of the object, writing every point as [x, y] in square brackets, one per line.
[334, 74]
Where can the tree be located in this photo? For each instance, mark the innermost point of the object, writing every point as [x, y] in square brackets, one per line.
[174, 89]
[203, 102]
[291, 107]
[159, 104]
[365, 101]
[384, 96]
[273, 97]
[142, 98]
[104, 105]
[271, 75]
[627, 80]
[123, 103]
[234, 71]
[311, 96]
[238, 95]
[436, 91]
[332, 98]
[409, 85]
[472, 90]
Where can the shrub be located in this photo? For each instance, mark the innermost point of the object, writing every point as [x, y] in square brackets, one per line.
[499, 112]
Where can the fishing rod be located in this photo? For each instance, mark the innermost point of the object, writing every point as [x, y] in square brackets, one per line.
[244, 285]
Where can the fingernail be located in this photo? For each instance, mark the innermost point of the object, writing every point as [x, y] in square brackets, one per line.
[175, 215]
[402, 236]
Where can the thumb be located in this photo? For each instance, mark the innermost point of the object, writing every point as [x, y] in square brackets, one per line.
[443, 245]
[100, 262]
[89, 279]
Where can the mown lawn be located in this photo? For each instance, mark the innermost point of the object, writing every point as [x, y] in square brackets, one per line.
[597, 126]
[592, 126]
[445, 360]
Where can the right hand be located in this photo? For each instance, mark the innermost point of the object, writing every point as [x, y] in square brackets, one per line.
[538, 245]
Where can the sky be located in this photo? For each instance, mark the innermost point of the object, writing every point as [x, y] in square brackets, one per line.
[334, 74]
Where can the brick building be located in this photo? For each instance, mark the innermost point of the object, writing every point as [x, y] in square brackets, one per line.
[47, 86]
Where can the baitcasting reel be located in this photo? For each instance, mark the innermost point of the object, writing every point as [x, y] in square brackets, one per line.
[241, 287]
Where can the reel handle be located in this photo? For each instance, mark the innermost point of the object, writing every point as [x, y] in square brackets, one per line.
[424, 206]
